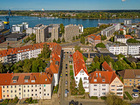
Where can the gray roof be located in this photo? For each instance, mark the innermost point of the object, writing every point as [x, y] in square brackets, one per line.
[15, 78]
[120, 36]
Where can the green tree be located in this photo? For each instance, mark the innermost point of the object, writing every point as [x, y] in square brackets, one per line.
[121, 32]
[96, 59]
[58, 41]
[103, 37]
[45, 52]
[78, 48]
[115, 100]
[101, 45]
[62, 28]
[54, 40]
[102, 59]
[82, 40]
[1, 68]
[80, 87]
[133, 65]
[63, 40]
[73, 37]
[112, 39]
[34, 66]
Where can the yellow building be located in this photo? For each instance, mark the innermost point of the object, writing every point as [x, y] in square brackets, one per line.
[131, 77]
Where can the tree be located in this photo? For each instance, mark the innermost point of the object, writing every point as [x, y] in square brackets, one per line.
[112, 39]
[63, 40]
[101, 59]
[132, 41]
[115, 100]
[133, 65]
[34, 66]
[62, 28]
[82, 40]
[1, 68]
[45, 52]
[121, 32]
[58, 41]
[54, 40]
[103, 37]
[73, 37]
[76, 37]
[96, 58]
[80, 87]
[101, 45]
[78, 48]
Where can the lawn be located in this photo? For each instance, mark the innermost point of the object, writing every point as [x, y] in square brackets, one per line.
[129, 96]
[71, 67]
[71, 72]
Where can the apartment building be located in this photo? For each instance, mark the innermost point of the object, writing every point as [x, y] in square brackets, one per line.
[131, 77]
[117, 48]
[104, 82]
[109, 31]
[80, 70]
[13, 55]
[133, 48]
[94, 39]
[26, 85]
[41, 32]
[122, 38]
[70, 32]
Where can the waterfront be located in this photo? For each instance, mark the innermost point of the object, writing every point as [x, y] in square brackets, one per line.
[44, 20]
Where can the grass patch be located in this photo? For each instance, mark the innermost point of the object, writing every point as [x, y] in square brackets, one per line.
[83, 97]
[93, 97]
[71, 72]
[30, 100]
[124, 97]
[129, 96]
[55, 89]
[71, 67]
[103, 97]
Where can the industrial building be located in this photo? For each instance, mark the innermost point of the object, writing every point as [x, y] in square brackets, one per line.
[14, 37]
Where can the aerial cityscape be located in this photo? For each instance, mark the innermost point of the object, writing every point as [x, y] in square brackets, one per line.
[70, 52]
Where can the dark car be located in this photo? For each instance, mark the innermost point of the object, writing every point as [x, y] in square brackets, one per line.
[135, 90]
[66, 67]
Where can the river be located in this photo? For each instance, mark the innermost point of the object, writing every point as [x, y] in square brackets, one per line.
[44, 20]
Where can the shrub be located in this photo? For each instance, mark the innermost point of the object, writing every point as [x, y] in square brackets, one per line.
[103, 97]
[93, 97]
[129, 96]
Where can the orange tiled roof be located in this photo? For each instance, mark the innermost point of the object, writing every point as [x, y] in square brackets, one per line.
[94, 37]
[40, 78]
[79, 63]
[56, 48]
[128, 36]
[121, 29]
[106, 66]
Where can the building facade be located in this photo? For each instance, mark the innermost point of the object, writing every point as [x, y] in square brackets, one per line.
[80, 71]
[70, 32]
[93, 39]
[133, 48]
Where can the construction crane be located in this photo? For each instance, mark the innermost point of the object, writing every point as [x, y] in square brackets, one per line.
[7, 26]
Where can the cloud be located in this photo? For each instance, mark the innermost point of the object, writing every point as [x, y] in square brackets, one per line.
[123, 0]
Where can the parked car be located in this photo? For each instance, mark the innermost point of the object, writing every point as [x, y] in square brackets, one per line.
[66, 93]
[135, 95]
[66, 74]
[135, 90]
[66, 83]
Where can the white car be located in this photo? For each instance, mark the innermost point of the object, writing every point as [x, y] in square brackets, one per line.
[135, 95]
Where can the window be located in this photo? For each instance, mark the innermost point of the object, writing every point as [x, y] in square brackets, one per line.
[32, 85]
[48, 94]
[104, 85]
[95, 80]
[103, 89]
[24, 95]
[40, 92]
[15, 91]
[112, 89]
[3, 95]
[7, 91]
[35, 85]
[130, 83]
[36, 90]
[3, 91]
[95, 93]
[130, 80]
[40, 88]
[15, 86]
[28, 85]
[19, 93]
[35, 94]
[95, 85]
[44, 90]
[125, 84]
[24, 86]
[112, 85]
[95, 89]
[24, 90]
[26, 81]
[76, 77]
[11, 91]
[7, 86]
[32, 90]
[11, 86]
[11, 95]
[44, 94]
[103, 80]
[103, 93]
[19, 89]
[3, 86]
[32, 94]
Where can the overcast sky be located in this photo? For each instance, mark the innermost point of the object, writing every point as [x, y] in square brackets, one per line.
[69, 4]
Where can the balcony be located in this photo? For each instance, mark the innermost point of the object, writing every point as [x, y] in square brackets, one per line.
[120, 86]
[119, 90]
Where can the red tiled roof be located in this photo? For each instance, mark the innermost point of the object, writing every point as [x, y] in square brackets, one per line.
[106, 66]
[128, 36]
[56, 49]
[121, 29]
[94, 37]
[79, 63]
[40, 78]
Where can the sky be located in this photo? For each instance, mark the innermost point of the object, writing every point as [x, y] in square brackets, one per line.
[70, 4]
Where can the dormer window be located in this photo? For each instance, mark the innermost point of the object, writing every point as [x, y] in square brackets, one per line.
[45, 79]
[103, 80]
[95, 80]
[32, 81]
[26, 78]
[15, 78]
